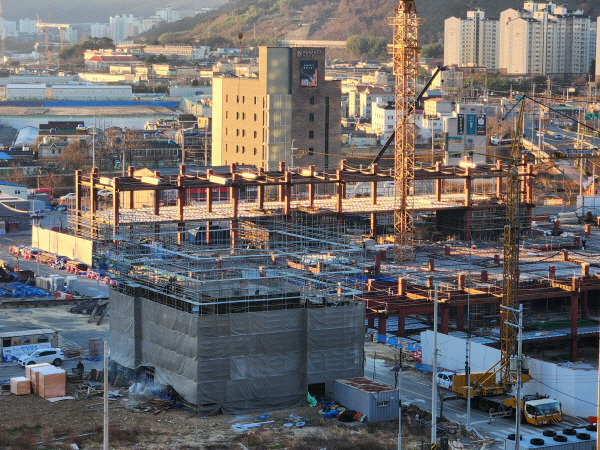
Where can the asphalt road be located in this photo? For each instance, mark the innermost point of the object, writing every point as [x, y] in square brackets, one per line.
[416, 389]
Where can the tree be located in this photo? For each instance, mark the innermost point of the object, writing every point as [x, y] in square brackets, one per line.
[435, 50]
[75, 156]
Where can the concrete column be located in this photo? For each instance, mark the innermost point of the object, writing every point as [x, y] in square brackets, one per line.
[382, 325]
[462, 281]
[484, 276]
[499, 179]
[340, 191]
[587, 228]
[374, 185]
[431, 265]
[235, 196]
[288, 192]
[565, 255]
[130, 171]
[281, 187]
[429, 282]
[208, 237]
[577, 241]
[116, 204]
[234, 235]
[468, 186]
[460, 317]
[585, 309]
[497, 259]
[447, 250]
[311, 188]
[401, 286]
[370, 284]
[377, 265]
[574, 316]
[585, 269]
[371, 322]
[445, 313]
[373, 225]
[438, 182]
[401, 325]
[529, 184]
[551, 272]
[209, 200]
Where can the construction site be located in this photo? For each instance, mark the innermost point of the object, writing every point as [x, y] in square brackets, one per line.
[249, 288]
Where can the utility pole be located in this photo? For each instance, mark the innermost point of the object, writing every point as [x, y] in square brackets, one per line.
[105, 445]
[519, 326]
[434, 374]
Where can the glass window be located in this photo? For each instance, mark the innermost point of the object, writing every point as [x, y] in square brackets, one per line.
[312, 100]
[311, 117]
[311, 134]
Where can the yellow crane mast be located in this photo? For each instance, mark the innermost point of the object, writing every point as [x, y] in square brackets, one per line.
[405, 52]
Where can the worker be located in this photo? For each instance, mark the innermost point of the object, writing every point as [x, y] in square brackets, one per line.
[80, 367]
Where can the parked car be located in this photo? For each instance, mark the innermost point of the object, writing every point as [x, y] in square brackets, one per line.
[557, 136]
[43, 355]
[444, 379]
[105, 194]
[69, 196]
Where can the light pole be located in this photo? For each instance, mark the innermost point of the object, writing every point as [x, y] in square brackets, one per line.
[292, 148]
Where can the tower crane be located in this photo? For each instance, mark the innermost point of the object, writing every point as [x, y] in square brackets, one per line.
[405, 51]
[3, 38]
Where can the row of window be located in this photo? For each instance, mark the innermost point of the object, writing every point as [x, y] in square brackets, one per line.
[237, 99]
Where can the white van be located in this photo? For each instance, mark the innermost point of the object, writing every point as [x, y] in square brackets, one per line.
[567, 218]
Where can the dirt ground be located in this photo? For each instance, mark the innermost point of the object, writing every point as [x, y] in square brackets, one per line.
[30, 422]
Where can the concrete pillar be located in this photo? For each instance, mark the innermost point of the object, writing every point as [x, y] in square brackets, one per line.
[484, 276]
[529, 184]
[551, 272]
[370, 284]
[373, 225]
[374, 184]
[235, 196]
[382, 325]
[78, 195]
[445, 314]
[438, 182]
[377, 265]
[460, 317]
[468, 186]
[587, 228]
[208, 236]
[234, 235]
[565, 255]
[585, 309]
[130, 171]
[557, 224]
[499, 179]
[401, 286]
[577, 241]
[462, 280]
[585, 269]
[598, 221]
[588, 216]
[340, 190]
[401, 325]
[430, 282]
[575, 283]
[497, 259]
[574, 317]
[447, 250]
[281, 187]
[311, 188]
[371, 322]
[116, 205]
[431, 265]
[287, 189]
[209, 200]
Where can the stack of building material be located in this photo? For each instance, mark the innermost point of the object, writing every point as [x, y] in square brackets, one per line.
[31, 373]
[51, 382]
[20, 386]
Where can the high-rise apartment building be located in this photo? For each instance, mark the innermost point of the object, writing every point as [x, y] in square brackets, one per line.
[99, 30]
[289, 113]
[546, 39]
[123, 26]
[473, 41]
[597, 50]
[28, 26]
[538, 39]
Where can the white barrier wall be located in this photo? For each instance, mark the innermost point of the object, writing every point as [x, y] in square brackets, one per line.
[62, 244]
[575, 389]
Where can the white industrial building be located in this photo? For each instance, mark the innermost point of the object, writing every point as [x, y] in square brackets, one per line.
[26, 91]
[92, 92]
[465, 132]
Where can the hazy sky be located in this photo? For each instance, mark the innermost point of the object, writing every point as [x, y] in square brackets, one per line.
[71, 11]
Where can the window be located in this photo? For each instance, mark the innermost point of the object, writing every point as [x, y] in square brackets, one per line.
[243, 133]
[243, 149]
[6, 342]
[237, 116]
[243, 99]
[311, 151]
[383, 404]
[255, 147]
[243, 116]
[311, 134]
[311, 117]
[226, 114]
[237, 132]
[237, 98]
[255, 117]
[312, 100]
[23, 340]
[227, 98]
[237, 148]
[225, 131]
[255, 134]
[42, 338]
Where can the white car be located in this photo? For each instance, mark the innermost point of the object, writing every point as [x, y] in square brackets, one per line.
[105, 193]
[444, 380]
[70, 196]
[43, 355]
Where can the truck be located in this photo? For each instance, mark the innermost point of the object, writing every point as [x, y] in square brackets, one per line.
[491, 397]
[497, 140]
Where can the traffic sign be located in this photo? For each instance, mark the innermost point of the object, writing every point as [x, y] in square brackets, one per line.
[591, 116]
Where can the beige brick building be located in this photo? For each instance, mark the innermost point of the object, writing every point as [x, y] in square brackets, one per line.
[290, 113]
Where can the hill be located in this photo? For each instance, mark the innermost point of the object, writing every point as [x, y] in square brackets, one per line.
[334, 19]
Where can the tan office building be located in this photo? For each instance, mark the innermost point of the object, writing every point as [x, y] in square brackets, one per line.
[290, 113]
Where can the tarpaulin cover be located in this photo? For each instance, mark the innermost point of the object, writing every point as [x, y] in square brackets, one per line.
[238, 362]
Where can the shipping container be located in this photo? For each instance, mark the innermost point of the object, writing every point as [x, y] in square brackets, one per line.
[377, 401]
[572, 439]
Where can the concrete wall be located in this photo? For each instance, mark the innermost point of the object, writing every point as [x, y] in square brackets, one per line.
[62, 244]
[575, 389]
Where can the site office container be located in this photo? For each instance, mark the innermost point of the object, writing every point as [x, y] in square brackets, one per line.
[377, 401]
[14, 344]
